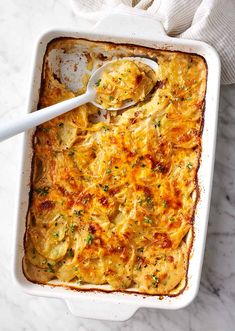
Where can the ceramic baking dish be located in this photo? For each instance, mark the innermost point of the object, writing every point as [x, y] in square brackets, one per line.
[137, 30]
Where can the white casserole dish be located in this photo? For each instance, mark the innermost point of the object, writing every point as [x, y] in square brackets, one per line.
[118, 306]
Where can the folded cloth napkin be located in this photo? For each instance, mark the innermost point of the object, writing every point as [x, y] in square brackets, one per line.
[212, 21]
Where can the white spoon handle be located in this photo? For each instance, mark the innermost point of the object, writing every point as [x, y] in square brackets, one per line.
[25, 122]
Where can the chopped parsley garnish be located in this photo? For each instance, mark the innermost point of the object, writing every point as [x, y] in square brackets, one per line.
[33, 250]
[155, 280]
[84, 201]
[158, 124]
[105, 128]
[42, 191]
[148, 220]
[45, 129]
[137, 267]
[143, 165]
[190, 166]
[61, 125]
[111, 98]
[98, 82]
[55, 234]
[133, 165]
[141, 249]
[72, 226]
[140, 201]
[71, 153]
[149, 201]
[78, 212]
[79, 281]
[70, 252]
[90, 238]
[106, 188]
[164, 204]
[172, 219]
[49, 267]
[109, 171]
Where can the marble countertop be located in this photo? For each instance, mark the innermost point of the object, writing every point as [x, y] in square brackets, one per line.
[21, 21]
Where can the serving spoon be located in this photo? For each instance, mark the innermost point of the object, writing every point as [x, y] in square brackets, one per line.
[27, 121]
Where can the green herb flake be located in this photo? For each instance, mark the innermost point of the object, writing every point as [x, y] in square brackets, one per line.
[45, 129]
[42, 191]
[137, 267]
[106, 188]
[55, 234]
[148, 220]
[105, 128]
[140, 250]
[140, 201]
[79, 281]
[61, 125]
[155, 280]
[109, 171]
[71, 153]
[72, 226]
[158, 124]
[98, 82]
[143, 165]
[33, 250]
[172, 219]
[70, 252]
[164, 204]
[78, 212]
[111, 98]
[149, 201]
[90, 238]
[190, 166]
[50, 269]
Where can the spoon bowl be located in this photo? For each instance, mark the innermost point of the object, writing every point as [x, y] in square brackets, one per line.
[98, 72]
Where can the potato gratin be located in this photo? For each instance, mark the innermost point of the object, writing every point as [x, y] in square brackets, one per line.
[112, 201]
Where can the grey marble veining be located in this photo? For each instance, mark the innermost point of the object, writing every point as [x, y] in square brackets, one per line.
[214, 308]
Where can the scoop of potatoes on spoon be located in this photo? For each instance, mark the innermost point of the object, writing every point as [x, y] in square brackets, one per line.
[116, 85]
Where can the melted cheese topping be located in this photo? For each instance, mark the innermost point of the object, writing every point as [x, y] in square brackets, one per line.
[124, 81]
[111, 203]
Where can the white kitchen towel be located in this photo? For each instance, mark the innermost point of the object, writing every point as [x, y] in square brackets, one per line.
[212, 21]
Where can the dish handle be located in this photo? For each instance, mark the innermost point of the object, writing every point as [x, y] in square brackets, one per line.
[106, 310]
[131, 26]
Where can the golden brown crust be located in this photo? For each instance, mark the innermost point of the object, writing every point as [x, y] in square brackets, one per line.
[111, 203]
